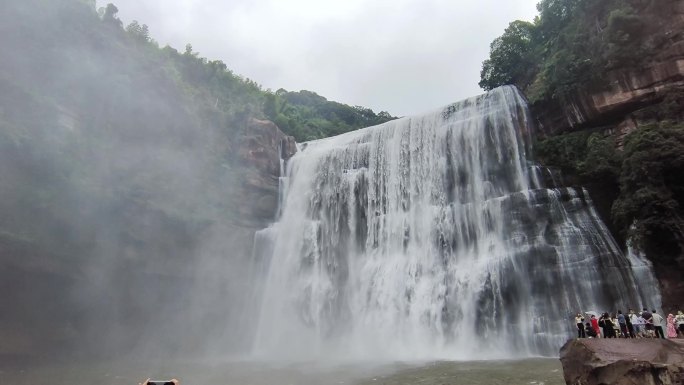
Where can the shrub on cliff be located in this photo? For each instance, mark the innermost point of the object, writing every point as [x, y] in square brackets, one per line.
[651, 189]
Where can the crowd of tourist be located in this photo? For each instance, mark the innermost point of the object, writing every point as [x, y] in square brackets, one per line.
[648, 324]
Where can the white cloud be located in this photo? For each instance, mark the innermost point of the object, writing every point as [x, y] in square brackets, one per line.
[402, 56]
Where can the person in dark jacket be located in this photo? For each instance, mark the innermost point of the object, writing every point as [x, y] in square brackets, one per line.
[607, 326]
[622, 321]
[648, 317]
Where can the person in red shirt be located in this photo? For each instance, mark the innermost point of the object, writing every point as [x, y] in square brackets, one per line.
[595, 326]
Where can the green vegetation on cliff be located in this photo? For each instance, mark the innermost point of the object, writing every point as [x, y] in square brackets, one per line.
[93, 108]
[307, 115]
[642, 180]
[652, 189]
[572, 44]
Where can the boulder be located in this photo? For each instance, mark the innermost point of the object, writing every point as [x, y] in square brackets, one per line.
[598, 361]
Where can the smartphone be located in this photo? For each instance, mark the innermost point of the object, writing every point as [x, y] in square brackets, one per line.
[150, 382]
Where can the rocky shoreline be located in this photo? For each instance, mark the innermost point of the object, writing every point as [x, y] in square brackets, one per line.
[597, 361]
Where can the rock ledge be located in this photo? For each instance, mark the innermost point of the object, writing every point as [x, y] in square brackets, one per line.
[623, 362]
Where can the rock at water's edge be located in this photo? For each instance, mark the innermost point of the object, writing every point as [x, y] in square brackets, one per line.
[623, 362]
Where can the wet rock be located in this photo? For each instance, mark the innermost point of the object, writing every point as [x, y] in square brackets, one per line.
[261, 147]
[623, 362]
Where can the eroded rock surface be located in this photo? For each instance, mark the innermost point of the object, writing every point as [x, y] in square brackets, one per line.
[629, 89]
[260, 150]
[623, 362]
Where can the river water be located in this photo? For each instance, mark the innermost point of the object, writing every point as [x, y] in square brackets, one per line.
[542, 371]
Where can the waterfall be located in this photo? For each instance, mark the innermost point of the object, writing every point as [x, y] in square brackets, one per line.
[432, 237]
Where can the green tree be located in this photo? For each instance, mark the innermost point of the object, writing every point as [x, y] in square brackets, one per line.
[138, 32]
[512, 58]
[109, 15]
[571, 45]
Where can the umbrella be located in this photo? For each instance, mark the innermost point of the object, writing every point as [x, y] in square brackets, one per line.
[594, 313]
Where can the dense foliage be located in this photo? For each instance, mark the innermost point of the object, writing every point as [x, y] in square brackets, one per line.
[306, 115]
[571, 45]
[652, 189]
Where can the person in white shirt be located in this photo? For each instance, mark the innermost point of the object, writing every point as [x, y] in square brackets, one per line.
[633, 318]
[658, 324]
[579, 321]
[639, 325]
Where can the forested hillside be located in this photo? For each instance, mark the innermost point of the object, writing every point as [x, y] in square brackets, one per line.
[605, 80]
[131, 174]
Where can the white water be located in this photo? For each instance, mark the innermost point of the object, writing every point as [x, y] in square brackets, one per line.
[431, 238]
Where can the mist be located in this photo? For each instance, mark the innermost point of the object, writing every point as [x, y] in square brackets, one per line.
[127, 227]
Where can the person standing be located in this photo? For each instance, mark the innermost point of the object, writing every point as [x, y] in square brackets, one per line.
[671, 328]
[634, 318]
[679, 318]
[616, 326]
[606, 326]
[595, 326]
[622, 321]
[657, 324]
[579, 321]
[640, 326]
[630, 326]
[648, 317]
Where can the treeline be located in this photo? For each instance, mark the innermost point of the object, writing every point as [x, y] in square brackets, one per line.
[304, 114]
[307, 115]
[78, 87]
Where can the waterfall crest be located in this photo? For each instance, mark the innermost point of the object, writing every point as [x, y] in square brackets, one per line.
[432, 237]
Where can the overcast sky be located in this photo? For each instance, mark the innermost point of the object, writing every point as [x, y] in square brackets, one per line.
[401, 56]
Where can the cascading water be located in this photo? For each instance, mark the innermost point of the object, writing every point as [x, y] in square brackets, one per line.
[431, 237]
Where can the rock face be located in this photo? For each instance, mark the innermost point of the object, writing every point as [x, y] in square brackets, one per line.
[260, 150]
[632, 99]
[623, 362]
[629, 90]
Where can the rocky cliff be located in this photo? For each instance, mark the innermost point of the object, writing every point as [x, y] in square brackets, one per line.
[631, 97]
[261, 148]
[628, 90]
[623, 362]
